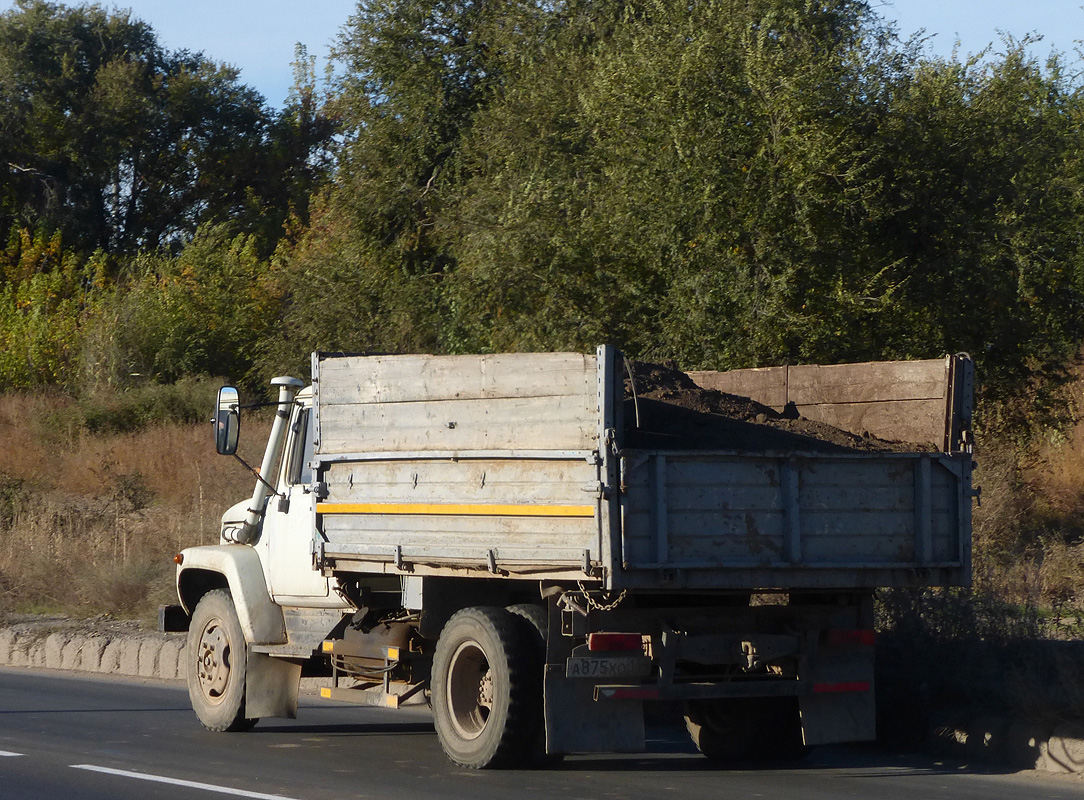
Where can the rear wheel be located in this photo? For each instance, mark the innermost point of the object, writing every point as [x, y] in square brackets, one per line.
[746, 729]
[536, 623]
[216, 663]
[481, 688]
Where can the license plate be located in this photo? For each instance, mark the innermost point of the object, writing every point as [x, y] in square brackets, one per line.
[611, 667]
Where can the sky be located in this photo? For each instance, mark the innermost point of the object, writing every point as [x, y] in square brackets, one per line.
[978, 23]
[258, 36]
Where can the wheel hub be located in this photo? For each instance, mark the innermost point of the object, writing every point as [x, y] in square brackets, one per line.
[213, 661]
[470, 690]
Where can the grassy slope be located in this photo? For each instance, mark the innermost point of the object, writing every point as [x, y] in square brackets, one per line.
[89, 523]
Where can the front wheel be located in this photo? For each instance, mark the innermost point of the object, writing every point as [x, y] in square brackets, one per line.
[216, 662]
[481, 688]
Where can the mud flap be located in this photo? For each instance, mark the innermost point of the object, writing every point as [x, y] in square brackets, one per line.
[577, 723]
[841, 717]
[841, 706]
[271, 686]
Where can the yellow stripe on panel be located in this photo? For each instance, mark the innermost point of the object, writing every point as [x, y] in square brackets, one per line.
[456, 509]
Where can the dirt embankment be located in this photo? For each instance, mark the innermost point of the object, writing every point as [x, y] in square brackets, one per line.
[666, 409]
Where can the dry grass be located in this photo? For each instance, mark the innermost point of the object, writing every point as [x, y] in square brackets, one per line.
[1029, 530]
[89, 523]
[1015, 643]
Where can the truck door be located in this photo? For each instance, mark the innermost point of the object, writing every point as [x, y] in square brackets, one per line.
[290, 522]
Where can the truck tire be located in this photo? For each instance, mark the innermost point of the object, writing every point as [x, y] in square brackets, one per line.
[716, 731]
[481, 688]
[746, 729]
[536, 624]
[216, 661]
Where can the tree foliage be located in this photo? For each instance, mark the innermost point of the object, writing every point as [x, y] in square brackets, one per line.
[144, 191]
[730, 182]
[119, 144]
[47, 294]
[199, 313]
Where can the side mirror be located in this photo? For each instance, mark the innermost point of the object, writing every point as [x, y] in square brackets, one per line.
[227, 421]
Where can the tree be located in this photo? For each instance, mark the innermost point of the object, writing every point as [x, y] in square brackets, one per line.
[367, 274]
[982, 189]
[678, 179]
[731, 182]
[122, 145]
[199, 313]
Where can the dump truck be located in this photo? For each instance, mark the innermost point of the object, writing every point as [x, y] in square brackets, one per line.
[491, 535]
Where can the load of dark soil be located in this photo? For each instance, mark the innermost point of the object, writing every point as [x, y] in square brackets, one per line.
[666, 409]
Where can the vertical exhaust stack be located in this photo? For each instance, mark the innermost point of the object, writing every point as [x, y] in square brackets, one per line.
[288, 388]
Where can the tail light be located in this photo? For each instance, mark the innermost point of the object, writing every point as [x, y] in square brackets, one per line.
[838, 636]
[615, 641]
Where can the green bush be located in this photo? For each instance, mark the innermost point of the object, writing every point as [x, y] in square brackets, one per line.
[47, 295]
[189, 400]
[201, 312]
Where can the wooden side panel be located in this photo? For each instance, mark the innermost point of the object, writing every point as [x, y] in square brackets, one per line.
[487, 481]
[404, 379]
[866, 512]
[895, 400]
[767, 385]
[872, 382]
[458, 512]
[518, 401]
[461, 541]
[920, 421]
[519, 423]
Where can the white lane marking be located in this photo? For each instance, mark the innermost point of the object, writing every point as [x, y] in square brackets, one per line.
[6, 754]
[207, 787]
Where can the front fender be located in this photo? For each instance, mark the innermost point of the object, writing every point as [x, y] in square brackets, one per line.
[237, 567]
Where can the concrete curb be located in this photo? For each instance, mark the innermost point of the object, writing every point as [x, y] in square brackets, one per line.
[132, 653]
[142, 654]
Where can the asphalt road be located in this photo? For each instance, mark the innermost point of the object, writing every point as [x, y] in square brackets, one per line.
[68, 736]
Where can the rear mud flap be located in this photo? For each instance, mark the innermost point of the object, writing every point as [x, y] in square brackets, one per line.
[576, 723]
[840, 707]
[838, 717]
